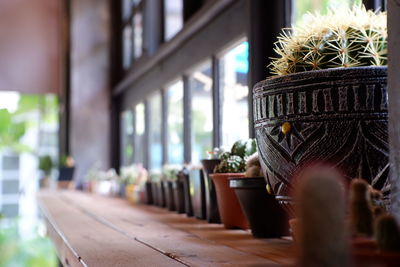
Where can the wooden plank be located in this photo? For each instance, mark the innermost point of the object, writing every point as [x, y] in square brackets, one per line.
[192, 241]
[84, 241]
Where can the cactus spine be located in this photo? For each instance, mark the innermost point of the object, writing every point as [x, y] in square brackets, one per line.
[343, 38]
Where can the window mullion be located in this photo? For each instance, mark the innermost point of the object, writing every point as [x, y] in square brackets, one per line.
[216, 93]
[187, 120]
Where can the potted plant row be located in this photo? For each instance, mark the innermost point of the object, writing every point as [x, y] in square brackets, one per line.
[327, 101]
[232, 165]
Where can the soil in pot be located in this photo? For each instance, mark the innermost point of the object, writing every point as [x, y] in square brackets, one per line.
[212, 212]
[169, 195]
[178, 194]
[197, 193]
[183, 176]
[266, 217]
[230, 211]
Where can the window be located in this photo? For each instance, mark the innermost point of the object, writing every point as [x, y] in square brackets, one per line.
[175, 123]
[200, 84]
[173, 15]
[139, 134]
[155, 132]
[126, 138]
[302, 7]
[132, 33]
[233, 68]
[138, 35]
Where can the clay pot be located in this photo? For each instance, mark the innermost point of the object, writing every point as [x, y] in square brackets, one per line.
[266, 217]
[229, 208]
[212, 213]
[336, 116]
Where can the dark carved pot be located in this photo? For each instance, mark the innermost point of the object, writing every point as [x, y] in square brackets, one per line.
[212, 213]
[336, 116]
[266, 217]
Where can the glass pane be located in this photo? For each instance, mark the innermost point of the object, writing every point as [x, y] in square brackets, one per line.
[200, 83]
[126, 138]
[234, 94]
[138, 34]
[126, 8]
[302, 7]
[173, 13]
[175, 123]
[155, 109]
[139, 133]
[127, 46]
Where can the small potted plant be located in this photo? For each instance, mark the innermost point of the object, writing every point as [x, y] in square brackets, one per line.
[66, 171]
[45, 166]
[327, 101]
[266, 217]
[232, 165]
[134, 177]
[197, 191]
[183, 178]
[212, 213]
[170, 176]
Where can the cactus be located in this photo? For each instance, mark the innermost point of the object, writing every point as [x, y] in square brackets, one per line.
[361, 217]
[387, 233]
[342, 38]
[322, 233]
[253, 166]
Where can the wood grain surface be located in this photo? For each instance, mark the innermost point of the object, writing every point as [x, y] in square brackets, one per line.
[91, 230]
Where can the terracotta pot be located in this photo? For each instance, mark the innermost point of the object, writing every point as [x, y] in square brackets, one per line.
[229, 208]
[212, 212]
[336, 116]
[266, 217]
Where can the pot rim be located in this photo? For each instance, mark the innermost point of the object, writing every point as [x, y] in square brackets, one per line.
[227, 174]
[332, 73]
[248, 183]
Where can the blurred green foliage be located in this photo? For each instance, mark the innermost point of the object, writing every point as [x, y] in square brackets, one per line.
[17, 252]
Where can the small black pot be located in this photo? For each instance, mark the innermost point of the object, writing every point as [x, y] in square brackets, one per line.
[183, 176]
[149, 193]
[169, 195]
[266, 217]
[154, 192]
[178, 194]
[212, 212]
[160, 194]
[197, 193]
[66, 173]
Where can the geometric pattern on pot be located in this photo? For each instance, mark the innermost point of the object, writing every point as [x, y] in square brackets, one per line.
[336, 115]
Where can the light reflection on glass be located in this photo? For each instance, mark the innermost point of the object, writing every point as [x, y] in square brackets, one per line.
[139, 133]
[200, 83]
[173, 13]
[233, 69]
[175, 123]
[155, 109]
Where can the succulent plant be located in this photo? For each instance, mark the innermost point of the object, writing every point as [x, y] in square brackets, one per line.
[253, 166]
[361, 216]
[342, 38]
[234, 161]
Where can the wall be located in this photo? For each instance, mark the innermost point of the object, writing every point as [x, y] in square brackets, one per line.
[90, 107]
[30, 45]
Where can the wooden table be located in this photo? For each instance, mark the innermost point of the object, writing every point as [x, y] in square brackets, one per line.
[91, 230]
